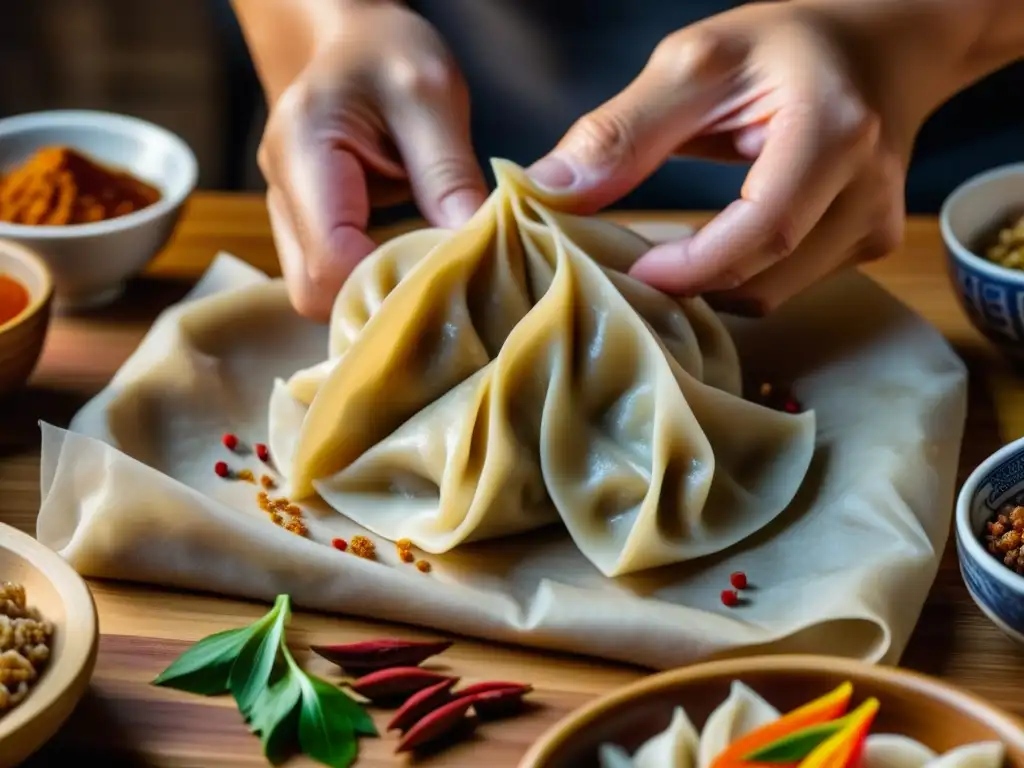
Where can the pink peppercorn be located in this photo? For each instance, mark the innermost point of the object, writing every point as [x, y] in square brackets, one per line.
[230, 441]
[262, 452]
[738, 580]
[221, 469]
[340, 544]
[729, 598]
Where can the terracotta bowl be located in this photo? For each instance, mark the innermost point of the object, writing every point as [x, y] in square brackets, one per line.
[62, 597]
[939, 716]
[22, 337]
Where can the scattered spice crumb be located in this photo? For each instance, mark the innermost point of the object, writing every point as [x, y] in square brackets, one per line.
[363, 547]
[423, 566]
[406, 555]
[267, 482]
[221, 469]
[738, 579]
[230, 441]
[778, 398]
[291, 509]
[403, 544]
[339, 544]
[295, 526]
[262, 452]
[766, 390]
[1004, 536]
[247, 475]
[729, 598]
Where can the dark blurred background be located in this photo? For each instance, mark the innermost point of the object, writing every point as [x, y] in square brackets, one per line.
[179, 63]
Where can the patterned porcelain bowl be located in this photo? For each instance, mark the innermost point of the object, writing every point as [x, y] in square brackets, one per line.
[997, 590]
[993, 296]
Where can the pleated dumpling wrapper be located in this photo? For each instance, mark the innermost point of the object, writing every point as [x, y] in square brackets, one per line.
[491, 380]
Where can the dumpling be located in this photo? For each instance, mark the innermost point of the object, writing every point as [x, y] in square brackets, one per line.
[509, 375]
[675, 747]
[886, 750]
[742, 712]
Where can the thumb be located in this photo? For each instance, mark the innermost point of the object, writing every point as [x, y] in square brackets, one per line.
[610, 151]
[431, 132]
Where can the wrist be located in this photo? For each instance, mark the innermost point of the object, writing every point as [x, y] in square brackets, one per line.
[910, 56]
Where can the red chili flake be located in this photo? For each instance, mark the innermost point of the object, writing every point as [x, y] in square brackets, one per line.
[230, 441]
[729, 598]
[339, 544]
[738, 580]
[262, 452]
[221, 469]
[791, 406]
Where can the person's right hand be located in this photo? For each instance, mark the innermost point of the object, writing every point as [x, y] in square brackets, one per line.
[377, 111]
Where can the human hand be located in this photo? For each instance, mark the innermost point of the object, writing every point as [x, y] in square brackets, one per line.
[377, 111]
[768, 82]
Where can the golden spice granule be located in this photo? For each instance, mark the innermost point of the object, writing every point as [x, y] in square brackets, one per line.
[293, 510]
[295, 526]
[766, 390]
[406, 555]
[247, 475]
[403, 544]
[276, 519]
[267, 482]
[423, 566]
[362, 547]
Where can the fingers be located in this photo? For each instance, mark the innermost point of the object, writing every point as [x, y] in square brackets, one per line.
[810, 153]
[686, 86]
[426, 109]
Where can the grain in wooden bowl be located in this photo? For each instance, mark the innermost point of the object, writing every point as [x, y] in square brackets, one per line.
[924, 709]
[63, 600]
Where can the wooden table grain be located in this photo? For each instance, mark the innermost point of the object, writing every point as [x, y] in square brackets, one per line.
[125, 721]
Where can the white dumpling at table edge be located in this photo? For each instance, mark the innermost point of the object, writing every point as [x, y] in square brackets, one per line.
[889, 750]
[675, 747]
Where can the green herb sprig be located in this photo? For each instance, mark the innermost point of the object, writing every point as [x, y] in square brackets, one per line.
[288, 708]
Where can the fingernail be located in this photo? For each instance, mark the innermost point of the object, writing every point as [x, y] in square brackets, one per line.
[553, 173]
[459, 208]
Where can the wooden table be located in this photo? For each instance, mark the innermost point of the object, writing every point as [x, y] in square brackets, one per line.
[124, 721]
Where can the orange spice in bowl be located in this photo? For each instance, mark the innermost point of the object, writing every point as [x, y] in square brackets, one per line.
[61, 186]
[14, 298]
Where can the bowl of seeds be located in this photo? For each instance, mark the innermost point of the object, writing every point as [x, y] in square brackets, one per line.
[990, 538]
[982, 225]
[48, 641]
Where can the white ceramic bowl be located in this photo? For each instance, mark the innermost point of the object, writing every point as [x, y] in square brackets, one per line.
[997, 590]
[91, 262]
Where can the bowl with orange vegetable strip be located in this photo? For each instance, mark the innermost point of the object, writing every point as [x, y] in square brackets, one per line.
[96, 194]
[26, 293]
[785, 710]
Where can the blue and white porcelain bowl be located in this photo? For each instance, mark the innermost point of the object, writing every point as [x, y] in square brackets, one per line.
[992, 296]
[997, 590]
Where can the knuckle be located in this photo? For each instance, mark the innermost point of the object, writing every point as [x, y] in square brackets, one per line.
[691, 53]
[604, 136]
[447, 175]
[423, 80]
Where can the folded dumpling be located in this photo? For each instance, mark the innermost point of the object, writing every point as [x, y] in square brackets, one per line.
[509, 375]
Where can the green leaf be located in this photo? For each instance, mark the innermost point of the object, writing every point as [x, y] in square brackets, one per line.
[326, 733]
[795, 746]
[251, 672]
[275, 717]
[206, 667]
[334, 699]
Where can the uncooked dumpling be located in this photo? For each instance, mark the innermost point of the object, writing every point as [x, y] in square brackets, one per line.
[509, 375]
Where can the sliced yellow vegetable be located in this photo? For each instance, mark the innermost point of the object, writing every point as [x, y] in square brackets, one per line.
[840, 750]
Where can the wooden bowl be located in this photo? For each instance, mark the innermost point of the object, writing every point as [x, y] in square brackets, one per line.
[61, 596]
[923, 708]
[22, 337]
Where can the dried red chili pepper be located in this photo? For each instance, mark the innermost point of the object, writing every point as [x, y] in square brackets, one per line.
[388, 686]
[498, 702]
[421, 704]
[729, 598]
[738, 579]
[230, 441]
[372, 655]
[221, 469]
[439, 723]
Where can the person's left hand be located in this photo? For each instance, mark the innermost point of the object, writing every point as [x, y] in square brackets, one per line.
[768, 82]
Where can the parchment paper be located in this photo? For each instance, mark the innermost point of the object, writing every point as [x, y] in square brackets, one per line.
[129, 493]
